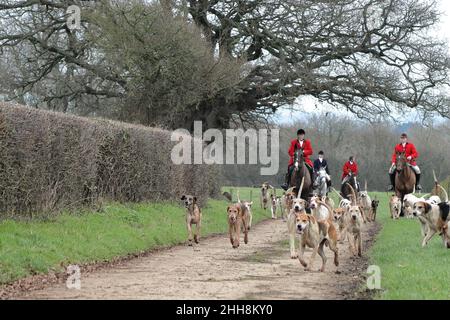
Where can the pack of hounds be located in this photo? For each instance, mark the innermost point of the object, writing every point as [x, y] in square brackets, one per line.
[430, 210]
[319, 223]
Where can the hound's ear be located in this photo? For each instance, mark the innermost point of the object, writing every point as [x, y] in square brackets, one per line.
[228, 208]
[251, 203]
[183, 197]
[195, 199]
[427, 207]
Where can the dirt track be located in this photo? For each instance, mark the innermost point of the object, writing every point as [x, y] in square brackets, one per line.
[213, 270]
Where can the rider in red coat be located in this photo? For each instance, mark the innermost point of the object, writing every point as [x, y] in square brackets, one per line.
[305, 145]
[350, 166]
[411, 155]
[301, 144]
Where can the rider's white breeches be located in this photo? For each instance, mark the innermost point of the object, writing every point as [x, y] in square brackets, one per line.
[415, 168]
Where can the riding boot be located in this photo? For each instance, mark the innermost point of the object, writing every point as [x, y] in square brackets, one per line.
[329, 186]
[418, 186]
[392, 185]
[311, 171]
[287, 178]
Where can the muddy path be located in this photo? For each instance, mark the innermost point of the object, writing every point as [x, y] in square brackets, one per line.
[261, 269]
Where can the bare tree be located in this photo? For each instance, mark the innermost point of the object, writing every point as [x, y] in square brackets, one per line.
[371, 57]
[372, 145]
[131, 60]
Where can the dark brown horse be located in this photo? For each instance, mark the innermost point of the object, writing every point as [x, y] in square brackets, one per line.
[405, 179]
[298, 174]
[346, 191]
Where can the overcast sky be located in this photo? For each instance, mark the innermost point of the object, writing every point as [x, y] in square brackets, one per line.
[310, 105]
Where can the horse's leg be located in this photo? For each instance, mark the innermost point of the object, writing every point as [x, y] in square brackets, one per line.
[401, 214]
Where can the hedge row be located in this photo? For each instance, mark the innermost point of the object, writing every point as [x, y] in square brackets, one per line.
[52, 161]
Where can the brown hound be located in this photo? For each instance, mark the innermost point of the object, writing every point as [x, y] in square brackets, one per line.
[235, 221]
[193, 216]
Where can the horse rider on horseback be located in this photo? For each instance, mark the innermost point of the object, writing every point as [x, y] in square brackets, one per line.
[320, 163]
[350, 169]
[297, 144]
[411, 155]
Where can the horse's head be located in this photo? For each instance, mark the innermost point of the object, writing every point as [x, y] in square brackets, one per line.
[400, 162]
[322, 176]
[323, 172]
[298, 155]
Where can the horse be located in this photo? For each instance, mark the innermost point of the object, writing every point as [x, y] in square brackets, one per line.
[299, 172]
[346, 190]
[405, 179]
[322, 177]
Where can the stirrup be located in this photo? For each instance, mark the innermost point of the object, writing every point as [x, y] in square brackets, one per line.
[390, 187]
[419, 187]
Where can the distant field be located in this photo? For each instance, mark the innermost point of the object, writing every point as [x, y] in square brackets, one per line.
[36, 247]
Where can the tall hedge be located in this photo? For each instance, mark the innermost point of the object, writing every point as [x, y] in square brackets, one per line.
[51, 161]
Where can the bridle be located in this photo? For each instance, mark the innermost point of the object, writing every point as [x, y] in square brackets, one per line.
[401, 157]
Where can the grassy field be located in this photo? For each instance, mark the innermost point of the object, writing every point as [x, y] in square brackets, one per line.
[409, 271]
[39, 246]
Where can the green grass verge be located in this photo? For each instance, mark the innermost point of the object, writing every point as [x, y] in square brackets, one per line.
[409, 271]
[40, 246]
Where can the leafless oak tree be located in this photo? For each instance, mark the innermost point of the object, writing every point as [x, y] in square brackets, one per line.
[371, 57]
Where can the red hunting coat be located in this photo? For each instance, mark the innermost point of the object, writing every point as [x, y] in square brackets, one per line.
[307, 151]
[409, 150]
[349, 167]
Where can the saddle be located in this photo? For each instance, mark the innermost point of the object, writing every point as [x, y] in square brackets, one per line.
[346, 179]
